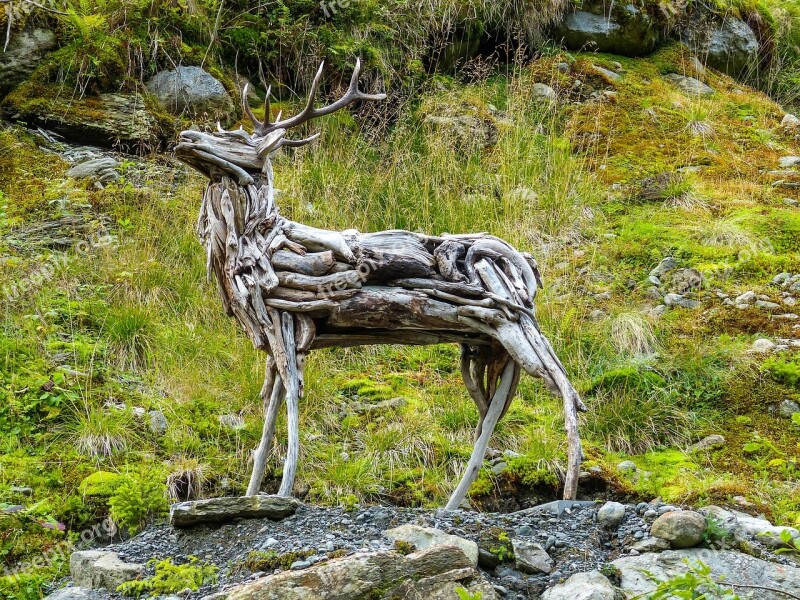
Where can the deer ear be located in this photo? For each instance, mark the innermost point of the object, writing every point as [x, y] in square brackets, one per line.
[270, 142]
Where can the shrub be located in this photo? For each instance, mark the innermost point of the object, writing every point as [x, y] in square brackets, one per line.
[137, 501]
[170, 578]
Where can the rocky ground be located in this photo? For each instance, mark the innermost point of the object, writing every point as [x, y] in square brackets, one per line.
[337, 553]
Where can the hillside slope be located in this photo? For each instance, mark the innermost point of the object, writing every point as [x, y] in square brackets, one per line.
[665, 223]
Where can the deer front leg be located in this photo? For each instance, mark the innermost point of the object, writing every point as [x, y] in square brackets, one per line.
[500, 398]
[272, 395]
[288, 348]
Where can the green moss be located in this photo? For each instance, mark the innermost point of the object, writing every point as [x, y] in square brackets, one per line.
[404, 548]
[270, 560]
[101, 483]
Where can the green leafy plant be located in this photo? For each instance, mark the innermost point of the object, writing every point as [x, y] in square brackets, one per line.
[714, 531]
[137, 501]
[170, 578]
[503, 550]
[784, 370]
[791, 544]
[464, 594]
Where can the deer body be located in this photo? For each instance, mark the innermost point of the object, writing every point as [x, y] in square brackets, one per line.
[294, 288]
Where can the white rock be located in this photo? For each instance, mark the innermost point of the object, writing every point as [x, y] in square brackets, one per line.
[531, 557]
[582, 586]
[428, 537]
[789, 121]
[788, 161]
[611, 514]
[763, 345]
[95, 569]
[746, 298]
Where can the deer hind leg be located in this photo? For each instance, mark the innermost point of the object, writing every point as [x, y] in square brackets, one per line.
[531, 349]
[272, 396]
[503, 389]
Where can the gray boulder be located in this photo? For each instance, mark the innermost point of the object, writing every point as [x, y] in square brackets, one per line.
[24, 53]
[423, 538]
[725, 565]
[97, 569]
[690, 85]
[729, 46]
[102, 170]
[465, 129]
[531, 558]
[710, 442]
[611, 514]
[74, 593]
[682, 529]
[618, 28]
[592, 585]
[226, 509]
[191, 91]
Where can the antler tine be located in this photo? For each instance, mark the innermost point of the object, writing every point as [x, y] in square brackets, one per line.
[246, 106]
[353, 94]
[298, 143]
[267, 107]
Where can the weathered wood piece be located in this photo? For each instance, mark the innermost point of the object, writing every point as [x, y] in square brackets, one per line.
[294, 288]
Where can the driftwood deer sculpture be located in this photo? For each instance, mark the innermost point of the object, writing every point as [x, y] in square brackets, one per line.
[295, 288]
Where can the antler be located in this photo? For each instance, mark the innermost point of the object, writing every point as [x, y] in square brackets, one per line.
[353, 94]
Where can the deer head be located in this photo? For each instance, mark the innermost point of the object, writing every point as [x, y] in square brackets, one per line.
[243, 156]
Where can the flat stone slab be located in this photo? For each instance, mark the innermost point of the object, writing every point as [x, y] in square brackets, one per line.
[98, 569]
[556, 507]
[226, 509]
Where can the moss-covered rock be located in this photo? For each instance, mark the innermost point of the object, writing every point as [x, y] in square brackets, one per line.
[127, 120]
[25, 50]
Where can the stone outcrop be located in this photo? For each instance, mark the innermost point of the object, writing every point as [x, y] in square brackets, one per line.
[682, 529]
[219, 510]
[25, 51]
[619, 28]
[727, 44]
[725, 566]
[107, 120]
[371, 575]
